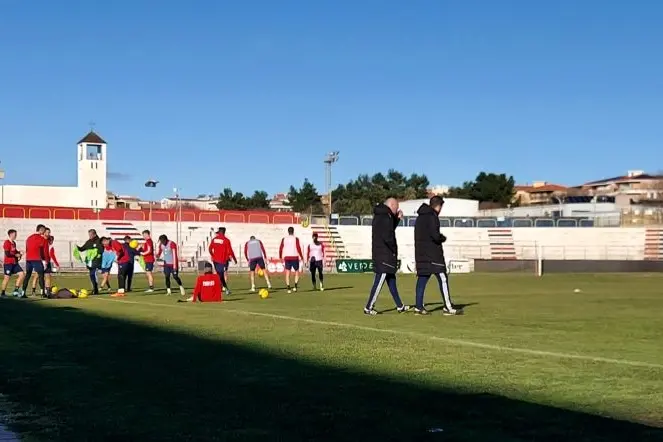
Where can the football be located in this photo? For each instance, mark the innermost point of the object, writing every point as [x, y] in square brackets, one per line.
[263, 293]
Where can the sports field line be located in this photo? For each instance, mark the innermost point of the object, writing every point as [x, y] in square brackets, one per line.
[457, 342]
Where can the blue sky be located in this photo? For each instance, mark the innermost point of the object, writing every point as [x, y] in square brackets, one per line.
[251, 94]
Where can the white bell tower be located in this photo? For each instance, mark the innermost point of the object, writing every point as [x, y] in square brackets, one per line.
[92, 168]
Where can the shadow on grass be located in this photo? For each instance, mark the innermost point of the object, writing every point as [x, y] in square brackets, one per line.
[76, 377]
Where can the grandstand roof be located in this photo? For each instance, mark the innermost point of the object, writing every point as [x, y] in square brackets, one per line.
[93, 138]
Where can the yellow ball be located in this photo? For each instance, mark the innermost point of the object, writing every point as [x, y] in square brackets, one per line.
[54, 290]
[133, 244]
[73, 292]
[261, 272]
[263, 293]
[83, 293]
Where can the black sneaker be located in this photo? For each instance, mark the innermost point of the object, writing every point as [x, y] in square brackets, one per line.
[421, 311]
[371, 312]
[402, 309]
[3, 295]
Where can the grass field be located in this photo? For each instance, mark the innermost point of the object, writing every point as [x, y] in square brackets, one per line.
[531, 360]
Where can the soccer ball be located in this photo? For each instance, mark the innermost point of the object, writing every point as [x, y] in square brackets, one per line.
[83, 293]
[263, 293]
[261, 272]
[133, 244]
[54, 290]
[73, 292]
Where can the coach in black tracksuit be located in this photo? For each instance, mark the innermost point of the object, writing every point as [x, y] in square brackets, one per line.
[385, 253]
[429, 255]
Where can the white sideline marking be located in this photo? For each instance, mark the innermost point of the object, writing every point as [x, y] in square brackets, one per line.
[458, 342]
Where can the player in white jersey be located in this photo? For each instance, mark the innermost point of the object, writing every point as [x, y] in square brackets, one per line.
[315, 255]
[290, 251]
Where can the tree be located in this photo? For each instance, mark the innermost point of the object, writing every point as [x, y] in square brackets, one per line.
[229, 200]
[305, 199]
[361, 194]
[486, 187]
[259, 201]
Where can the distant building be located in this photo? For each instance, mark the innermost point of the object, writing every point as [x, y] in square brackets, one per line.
[437, 190]
[539, 192]
[91, 188]
[280, 203]
[202, 202]
[635, 186]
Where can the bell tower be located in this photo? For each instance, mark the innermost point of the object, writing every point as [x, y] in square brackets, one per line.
[92, 169]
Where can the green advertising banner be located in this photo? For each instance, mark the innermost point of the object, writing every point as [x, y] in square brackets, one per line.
[357, 265]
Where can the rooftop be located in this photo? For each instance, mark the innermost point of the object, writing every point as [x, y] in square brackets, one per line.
[92, 138]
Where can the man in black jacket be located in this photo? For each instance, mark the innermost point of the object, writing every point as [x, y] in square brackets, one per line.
[429, 255]
[385, 254]
[93, 242]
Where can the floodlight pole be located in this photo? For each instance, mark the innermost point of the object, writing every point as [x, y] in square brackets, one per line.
[330, 159]
[151, 184]
[2, 178]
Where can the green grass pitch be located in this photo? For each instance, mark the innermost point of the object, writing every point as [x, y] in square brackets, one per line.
[531, 360]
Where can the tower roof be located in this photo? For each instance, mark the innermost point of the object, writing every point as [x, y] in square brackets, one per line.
[93, 138]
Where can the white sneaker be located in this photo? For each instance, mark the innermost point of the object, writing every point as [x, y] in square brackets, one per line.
[149, 291]
[269, 286]
[182, 291]
[253, 289]
[322, 289]
[189, 299]
[168, 292]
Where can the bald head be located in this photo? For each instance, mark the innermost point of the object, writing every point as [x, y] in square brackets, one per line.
[392, 203]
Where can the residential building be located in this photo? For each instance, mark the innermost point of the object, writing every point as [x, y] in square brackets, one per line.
[539, 192]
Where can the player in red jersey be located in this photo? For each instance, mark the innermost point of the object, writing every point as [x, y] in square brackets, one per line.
[221, 253]
[11, 265]
[35, 258]
[48, 268]
[147, 252]
[231, 254]
[208, 286]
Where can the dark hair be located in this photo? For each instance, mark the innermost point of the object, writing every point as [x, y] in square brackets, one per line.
[51, 238]
[92, 231]
[146, 231]
[221, 230]
[11, 231]
[40, 227]
[47, 228]
[436, 201]
[315, 235]
[163, 238]
[291, 230]
[127, 238]
[104, 238]
[252, 237]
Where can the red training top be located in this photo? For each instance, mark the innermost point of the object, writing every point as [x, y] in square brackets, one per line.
[47, 252]
[208, 288]
[147, 250]
[220, 249]
[34, 247]
[10, 252]
[51, 254]
[118, 248]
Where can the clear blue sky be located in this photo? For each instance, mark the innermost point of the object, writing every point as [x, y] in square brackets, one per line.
[208, 94]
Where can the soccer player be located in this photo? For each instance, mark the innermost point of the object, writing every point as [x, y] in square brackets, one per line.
[429, 255]
[35, 259]
[220, 252]
[123, 258]
[290, 251]
[48, 268]
[385, 254]
[208, 286]
[93, 243]
[315, 255]
[107, 260]
[231, 253]
[171, 263]
[11, 265]
[254, 252]
[147, 252]
[132, 253]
